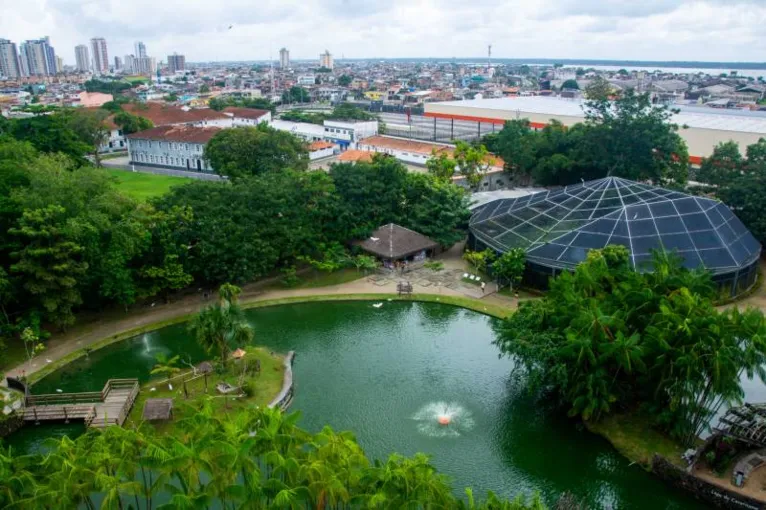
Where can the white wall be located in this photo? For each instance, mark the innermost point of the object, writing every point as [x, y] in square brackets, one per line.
[168, 154]
[321, 153]
[116, 142]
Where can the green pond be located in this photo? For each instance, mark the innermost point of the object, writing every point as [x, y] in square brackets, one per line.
[388, 374]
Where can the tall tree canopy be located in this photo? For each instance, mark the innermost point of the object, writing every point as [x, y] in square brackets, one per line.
[247, 151]
[607, 338]
[624, 137]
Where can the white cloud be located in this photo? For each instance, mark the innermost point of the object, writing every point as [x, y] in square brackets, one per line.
[731, 30]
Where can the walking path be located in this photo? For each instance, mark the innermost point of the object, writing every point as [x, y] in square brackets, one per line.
[114, 322]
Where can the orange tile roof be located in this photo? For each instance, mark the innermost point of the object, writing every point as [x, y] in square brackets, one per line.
[319, 145]
[355, 155]
[385, 142]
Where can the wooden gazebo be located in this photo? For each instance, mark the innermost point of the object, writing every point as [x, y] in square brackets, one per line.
[397, 246]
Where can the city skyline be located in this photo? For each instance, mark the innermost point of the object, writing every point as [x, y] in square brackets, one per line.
[705, 30]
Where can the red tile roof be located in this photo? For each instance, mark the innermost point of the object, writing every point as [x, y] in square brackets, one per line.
[163, 115]
[385, 142]
[246, 113]
[354, 155]
[188, 134]
[319, 145]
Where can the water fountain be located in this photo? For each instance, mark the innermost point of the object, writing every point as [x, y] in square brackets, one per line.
[443, 419]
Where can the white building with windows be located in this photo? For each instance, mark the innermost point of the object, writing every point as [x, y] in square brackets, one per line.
[347, 133]
[304, 130]
[247, 116]
[178, 147]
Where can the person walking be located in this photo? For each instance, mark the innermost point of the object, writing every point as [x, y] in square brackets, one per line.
[483, 284]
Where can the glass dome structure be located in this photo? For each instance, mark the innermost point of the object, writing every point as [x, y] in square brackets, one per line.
[557, 229]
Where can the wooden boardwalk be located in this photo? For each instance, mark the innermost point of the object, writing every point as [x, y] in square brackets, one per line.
[97, 409]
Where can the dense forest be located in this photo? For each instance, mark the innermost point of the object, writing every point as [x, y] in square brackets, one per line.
[71, 241]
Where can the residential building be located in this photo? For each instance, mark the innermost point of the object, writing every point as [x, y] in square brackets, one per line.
[325, 60]
[347, 133]
[284, 58]
[82, 59]
[176, 63]
[306, 80]
[59, 64]
[163, 115]
[140, 50]
[129, 64]
[321, 149]
[38, 57]
[176, 147]
[100, 55]
[116, 141]
[10, 67]
[247, 116]
[144, 65]
[117, 64]
[304, 130]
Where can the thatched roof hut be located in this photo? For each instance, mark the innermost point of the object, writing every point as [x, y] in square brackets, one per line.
[156, 409]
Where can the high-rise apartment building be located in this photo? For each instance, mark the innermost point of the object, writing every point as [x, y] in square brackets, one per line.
[10, 67]
[117, 64]
[144, 65]
[176, 62]
[100, 55]
[59, 64]
[325, 60]
[82, 58]
[38, 57]
[129, 64]
[140, 50]
[284, 58]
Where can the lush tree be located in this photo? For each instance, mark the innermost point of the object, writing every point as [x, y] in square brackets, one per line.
[50, 263]
[107, 86]
[570, 85]
[345, 80]
[296, 95]
[347, 111]
[166, 366]
[479, 260]
[204, 88]
[254, 458]
[246, 151]
[435, 208]
[51, 133]
[259, 103]
[509, 267]
[633, 138]
[516, 144]
[130, 123]
[221, 327]
[472, 162]
[89, 126]
[441, 165]
[608, 338]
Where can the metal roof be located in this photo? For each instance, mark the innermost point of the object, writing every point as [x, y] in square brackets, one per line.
[558, 228]
[746, 122]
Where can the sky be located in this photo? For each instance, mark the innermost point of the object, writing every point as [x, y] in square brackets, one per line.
[698, 30]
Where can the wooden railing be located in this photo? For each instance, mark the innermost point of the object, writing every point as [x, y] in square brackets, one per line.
[128, 404]
[64, 398]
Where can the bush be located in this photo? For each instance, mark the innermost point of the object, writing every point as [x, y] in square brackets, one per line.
[434, 265]
[248, 388]
[289, 277]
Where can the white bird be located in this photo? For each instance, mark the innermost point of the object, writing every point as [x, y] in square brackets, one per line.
[59, 390]
[152, 389]
[389, 299]
[377, 305]
[49, 361]
[170, 387]
[375, 238]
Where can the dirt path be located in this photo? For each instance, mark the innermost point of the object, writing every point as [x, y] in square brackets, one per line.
[115, 322]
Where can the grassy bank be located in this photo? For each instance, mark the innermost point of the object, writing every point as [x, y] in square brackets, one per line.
[264, 385]
[634, 437]
[143, 186]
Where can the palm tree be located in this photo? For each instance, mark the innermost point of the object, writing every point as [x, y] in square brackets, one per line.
[166, 366]
[220, 328]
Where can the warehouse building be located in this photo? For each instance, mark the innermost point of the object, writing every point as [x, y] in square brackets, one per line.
[702, 128]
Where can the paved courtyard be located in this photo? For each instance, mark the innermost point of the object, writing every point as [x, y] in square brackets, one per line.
[428, 280]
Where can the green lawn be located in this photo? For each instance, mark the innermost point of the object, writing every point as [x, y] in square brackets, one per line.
[143, 186]
[316, 279]
[13, 354]
[266, 383]
[634, 437]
